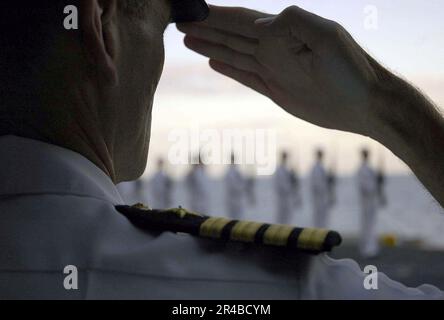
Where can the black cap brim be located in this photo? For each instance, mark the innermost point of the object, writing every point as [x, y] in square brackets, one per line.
[188, 11]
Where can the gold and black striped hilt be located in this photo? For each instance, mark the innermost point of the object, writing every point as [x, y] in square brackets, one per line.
[182, 221]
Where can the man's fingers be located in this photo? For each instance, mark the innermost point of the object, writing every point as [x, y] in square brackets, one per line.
[223, 54]
[249, 79]
[235, 42]
[295, 22]
[234, 20]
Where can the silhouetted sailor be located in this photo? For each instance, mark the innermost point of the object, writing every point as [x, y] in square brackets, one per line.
[235, 190]
[332, 181]
[296, 185]
[127, 191]
[161, 186]
[141, 190]
[198, 187]
[382, 181]
[284, 182]
[369, 199]
[251, 190]
[320, 192]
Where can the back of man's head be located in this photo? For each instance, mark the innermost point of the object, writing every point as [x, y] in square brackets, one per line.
[29, 32]
[27, 29]
[96, 82]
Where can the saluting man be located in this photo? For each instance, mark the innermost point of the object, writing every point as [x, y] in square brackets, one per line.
[369, 199]
[235, 190]
[75, 119]
[320, 192]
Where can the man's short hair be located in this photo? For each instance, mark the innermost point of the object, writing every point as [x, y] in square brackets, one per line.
[24, 24]
[28, 29]
[28, 32]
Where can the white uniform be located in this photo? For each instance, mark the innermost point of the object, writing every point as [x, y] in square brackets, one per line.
[197, 184]
[235, 187]
[285, 194]
[368, 190]
[320, 195]
[160, 186]
[57, 209]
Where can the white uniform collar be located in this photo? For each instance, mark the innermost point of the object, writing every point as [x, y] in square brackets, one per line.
[30, 167]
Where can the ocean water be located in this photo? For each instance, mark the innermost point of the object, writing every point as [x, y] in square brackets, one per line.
[411, 214]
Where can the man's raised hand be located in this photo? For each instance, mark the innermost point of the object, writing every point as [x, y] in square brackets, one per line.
[308, 65]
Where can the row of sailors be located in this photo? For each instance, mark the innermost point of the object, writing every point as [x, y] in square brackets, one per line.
[287, 189]
[323, 197]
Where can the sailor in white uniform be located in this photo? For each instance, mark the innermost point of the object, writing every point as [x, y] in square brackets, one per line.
[197, 184]
[127, 191]
[61, 159]
[140, 191]
[161, 187]
[285, 191]
[320, 192]
[367, 180]
[235, 190]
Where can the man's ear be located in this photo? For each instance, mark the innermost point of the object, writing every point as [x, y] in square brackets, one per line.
[95, 18]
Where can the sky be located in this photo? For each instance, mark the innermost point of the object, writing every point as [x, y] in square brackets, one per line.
[409, 40]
